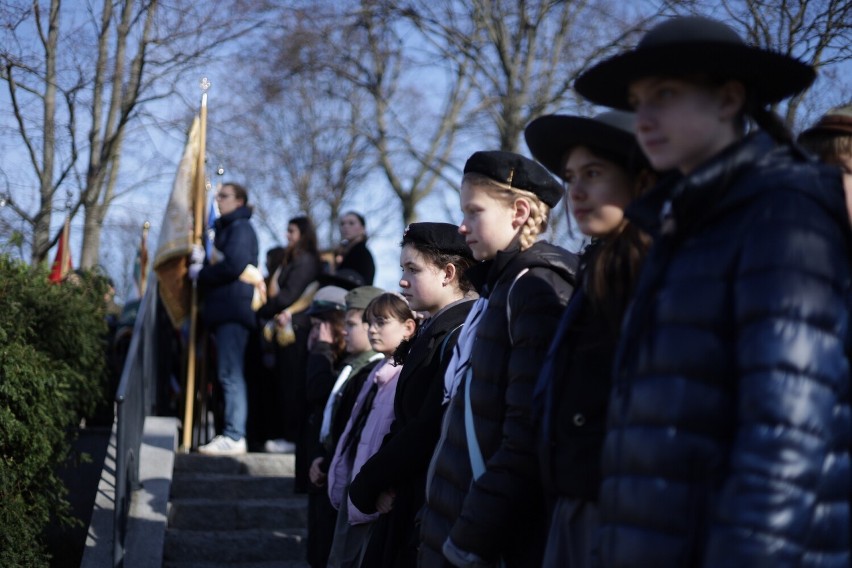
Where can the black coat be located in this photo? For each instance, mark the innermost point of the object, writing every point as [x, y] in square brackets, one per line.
[402, 461]
[571, 399]
[320, 374]
[729, 427]
[226, 298]
[360, 259]
[294, 277]
[502, 513]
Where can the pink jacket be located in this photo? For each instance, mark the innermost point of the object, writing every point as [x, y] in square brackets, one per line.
[343, 465]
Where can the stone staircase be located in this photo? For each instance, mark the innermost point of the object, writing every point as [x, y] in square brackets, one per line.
[235, 511]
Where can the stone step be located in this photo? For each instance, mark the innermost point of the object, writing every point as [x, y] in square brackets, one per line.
[235, 511]
[257, 464]
[233, 548]
[216, 514]
[226, 487]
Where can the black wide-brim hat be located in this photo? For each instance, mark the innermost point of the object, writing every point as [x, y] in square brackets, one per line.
[549, 137]
[695, 46]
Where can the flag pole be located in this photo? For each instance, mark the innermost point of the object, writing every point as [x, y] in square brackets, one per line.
[197, 227]
[143, 259]
[66, 252]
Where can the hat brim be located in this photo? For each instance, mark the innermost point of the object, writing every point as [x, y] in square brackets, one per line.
[549, 137]
[334, 280]
[769, 77]
[832, 125]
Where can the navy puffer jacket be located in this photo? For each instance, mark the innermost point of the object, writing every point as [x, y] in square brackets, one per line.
[501, 514]
[729, 423]
[226, 298]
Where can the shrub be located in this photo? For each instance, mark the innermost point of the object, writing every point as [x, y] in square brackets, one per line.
[52, 374]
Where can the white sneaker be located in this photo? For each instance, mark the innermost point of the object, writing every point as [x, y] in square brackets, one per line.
[279, 446]
[223, 446]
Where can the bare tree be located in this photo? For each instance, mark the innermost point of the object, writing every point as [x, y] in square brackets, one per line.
[104, 64]
[418, 103]
[307, 148]
[522, 57]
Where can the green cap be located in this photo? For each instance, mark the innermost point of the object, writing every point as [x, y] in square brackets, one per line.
[358, 298]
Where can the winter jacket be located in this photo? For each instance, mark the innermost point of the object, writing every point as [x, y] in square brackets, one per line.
[501, 514]
[293, 278]
[352, 449]
[319, 379]
[226, 298]
[570, 403]
[729, 423]
[360, 259]
[402, 461]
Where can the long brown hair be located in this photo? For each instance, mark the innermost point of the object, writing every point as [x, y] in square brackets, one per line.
[307, 242]
[613, 263]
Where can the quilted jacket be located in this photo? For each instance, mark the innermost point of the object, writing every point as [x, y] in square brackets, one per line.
[729, 422]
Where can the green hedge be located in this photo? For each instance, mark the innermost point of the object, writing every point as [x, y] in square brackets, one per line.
[52, 374]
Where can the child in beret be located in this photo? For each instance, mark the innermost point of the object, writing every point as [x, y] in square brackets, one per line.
[483, 495]
[728, 434]
[434, 261]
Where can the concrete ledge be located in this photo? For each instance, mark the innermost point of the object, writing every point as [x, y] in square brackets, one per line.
[146, 526]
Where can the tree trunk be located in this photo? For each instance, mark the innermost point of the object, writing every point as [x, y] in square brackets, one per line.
[41, 231]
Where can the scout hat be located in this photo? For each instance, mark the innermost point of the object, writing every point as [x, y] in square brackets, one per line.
[837, 121]
[443, 237]
[359, 298]
[328, 299]
[549, 137]
[516, 171]
[695, 45]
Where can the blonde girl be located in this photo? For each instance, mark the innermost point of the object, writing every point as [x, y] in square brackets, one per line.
[483, 495]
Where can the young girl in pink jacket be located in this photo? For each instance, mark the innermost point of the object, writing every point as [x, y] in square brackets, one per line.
[391, 321]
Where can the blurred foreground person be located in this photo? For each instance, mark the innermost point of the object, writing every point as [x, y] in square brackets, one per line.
[729, 425]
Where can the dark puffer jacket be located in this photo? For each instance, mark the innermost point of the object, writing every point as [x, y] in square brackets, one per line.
[226, 298]
[729, 424]
[502, 513]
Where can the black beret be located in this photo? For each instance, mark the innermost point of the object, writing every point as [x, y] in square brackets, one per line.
[442, 236]
[518, 172]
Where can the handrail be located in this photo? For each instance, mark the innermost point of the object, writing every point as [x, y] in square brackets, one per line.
[133, 400]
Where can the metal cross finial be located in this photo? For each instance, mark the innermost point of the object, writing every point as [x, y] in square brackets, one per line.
[205, 84]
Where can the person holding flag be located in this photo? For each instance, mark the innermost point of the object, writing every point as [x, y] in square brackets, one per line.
[228, 310]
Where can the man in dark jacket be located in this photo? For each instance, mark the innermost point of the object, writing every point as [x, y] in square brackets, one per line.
[227, 310]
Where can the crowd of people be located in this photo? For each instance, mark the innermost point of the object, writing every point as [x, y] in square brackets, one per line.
[675, 394]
